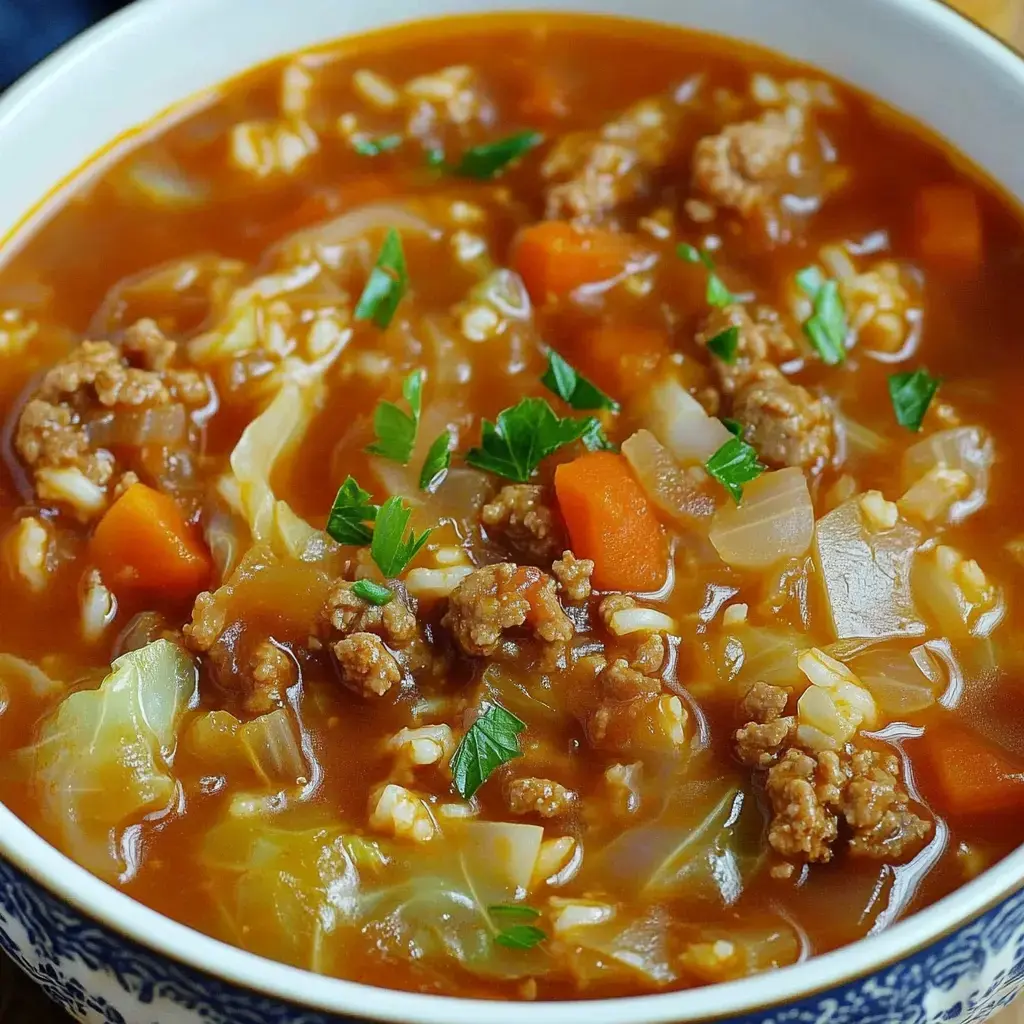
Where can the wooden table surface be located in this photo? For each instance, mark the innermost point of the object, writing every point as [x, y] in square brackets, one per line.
[20, 1002]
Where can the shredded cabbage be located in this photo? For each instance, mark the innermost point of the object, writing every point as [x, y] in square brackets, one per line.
[968, 449]
[682, 495]
[103, 758]
[680, 423]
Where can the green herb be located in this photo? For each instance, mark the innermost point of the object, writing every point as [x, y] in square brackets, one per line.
[374, 147]
[572, 387]
[725, 344]
[396, 430]
[375, 593]
[716, 293]
[514, 932]
[391, 548]
[351, 511]
[733, 465]
[733, 426]
[826, 327]
[435, 157]
[525, 434]
[911, 394]
[491, 741]
[487, 160]
[595, 439]
[387, 283]
[435, 466]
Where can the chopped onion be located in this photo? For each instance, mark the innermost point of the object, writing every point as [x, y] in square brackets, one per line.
[158, 425]
[679, 493]
[867, 575]
[902, 681]
[860, 438]
[680, 423]
[969, 449]
[775, 521]
[640, 620]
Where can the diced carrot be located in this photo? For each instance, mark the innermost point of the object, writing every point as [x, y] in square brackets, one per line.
[555, 258]
[611, 521]
[621, 359]
[974, 778]
[545, 96]
[949, 224]
[143, 543]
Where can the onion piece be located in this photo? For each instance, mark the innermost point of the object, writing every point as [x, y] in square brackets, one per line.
[774, 522]
[680, 494]
[158, 425]
[680, 423]
[969, 449]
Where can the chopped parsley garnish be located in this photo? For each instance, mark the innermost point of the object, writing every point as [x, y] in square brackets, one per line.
[595, 439]
[374, 147]
[375, 593]
[911, 394]
[391, 548]
[387, 283]
[733, 426]
[394, 429]
[513, 930]
[491, 741]
[725, 344]
[529, 431]
[487, 160]
[350, 513]
[716, 294]
[826, 326]
[435, 466]
[572, 387]
[733, 465]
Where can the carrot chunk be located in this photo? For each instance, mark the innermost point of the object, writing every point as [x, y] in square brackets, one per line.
[555, 258]
[973, 777]
[143, 543]
[949, 224]
[621, 359]
[611, 521]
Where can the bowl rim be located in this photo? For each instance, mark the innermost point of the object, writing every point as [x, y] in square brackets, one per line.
[99, 902]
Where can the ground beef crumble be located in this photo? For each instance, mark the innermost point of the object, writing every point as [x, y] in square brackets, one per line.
[520, 516]
[543, 797]
[366, 665]
[272, 671]
[573, 575]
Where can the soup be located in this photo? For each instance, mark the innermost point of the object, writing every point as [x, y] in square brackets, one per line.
[515, 530]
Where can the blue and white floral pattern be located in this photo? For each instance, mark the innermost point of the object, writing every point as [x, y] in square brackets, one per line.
[103, 978]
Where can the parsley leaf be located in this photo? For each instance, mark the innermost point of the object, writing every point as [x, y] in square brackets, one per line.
[733, 426]
[491, 741]
[523, 435]
[571, 386]
[374, 147]
[391, 549]
[351, 511]
[387, 283]
[375, 593]
[733, 465]
[435, 466]
[716, 294]
[594, 438]
[911, 394]
[826, 327]
[487, 160]
[395, 430]
[514, 933]
[725, 344]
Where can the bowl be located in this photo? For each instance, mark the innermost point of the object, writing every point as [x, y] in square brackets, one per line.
[106, 958]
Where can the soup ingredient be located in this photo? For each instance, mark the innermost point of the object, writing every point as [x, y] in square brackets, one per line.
[491, 741]
[826, 328]
[725, 344]
[387, 283]
[437, 462]
[491, 158]
[573, 387]
[516, 931]
[611, 522]
[682, 424]
[103, 759]
[144, 544]
[949, 227]
[392, 549]
[395, 430]
[375, 593]
[911, 394]
[975, 778]
[351, 511]
[733, 465]
[374, 147]
[716, 292]
[682, 495]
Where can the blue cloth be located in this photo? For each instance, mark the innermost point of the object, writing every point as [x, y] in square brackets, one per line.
[30, 29]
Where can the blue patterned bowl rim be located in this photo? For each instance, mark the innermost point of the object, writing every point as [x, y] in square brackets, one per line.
[124, 916]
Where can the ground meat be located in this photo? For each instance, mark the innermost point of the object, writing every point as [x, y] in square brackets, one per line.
[595, 171]
[519, 515]
[348, 613]
[785, 423]
[366, 665]
[621, 683]
[539, 796]
[272, 671]
[499, 597]
[649, 655]
[760, 744]
[764, 703]
[810, 794]
[762, 343]
[746, 165]
[96, 377]
[611, 604]
[573, 575]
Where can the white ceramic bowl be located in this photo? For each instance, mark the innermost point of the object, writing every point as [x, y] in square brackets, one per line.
[110, 960]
